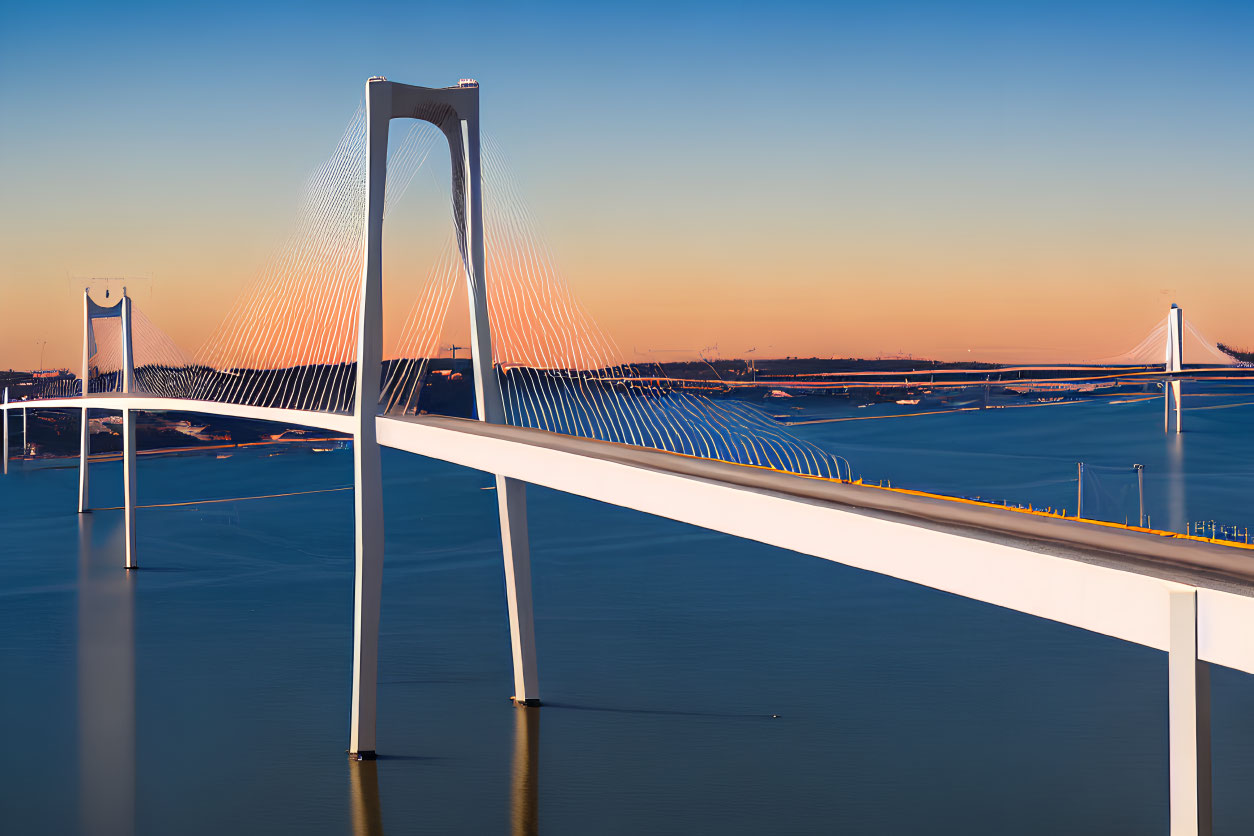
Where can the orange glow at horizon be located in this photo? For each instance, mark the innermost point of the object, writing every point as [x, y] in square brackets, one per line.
[662, 285]
[659, 311]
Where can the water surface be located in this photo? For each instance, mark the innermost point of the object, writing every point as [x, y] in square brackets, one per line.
[208, 692]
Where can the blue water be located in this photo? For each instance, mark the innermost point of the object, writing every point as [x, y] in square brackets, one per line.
[208, 692]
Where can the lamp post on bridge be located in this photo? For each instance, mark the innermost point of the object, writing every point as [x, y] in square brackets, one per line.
[1140, 493]
[1079, 491]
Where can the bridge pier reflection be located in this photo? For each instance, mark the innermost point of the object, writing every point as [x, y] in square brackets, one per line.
[363, 787]
[525, 773]
[1177, 508]
[366, 809]
[106, 689]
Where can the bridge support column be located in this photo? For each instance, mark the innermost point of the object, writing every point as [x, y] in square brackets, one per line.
[1178, 396]
[368, 596]
[516, 545]
[511, 495]
[84, 441]
[5, 412]
[1172, 391]
[367, 467]
[128, 483]
[128, 428]
[1189, 720]
[84, 453]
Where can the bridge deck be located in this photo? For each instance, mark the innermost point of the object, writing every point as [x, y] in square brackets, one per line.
[1162, 555]
[1106, 579]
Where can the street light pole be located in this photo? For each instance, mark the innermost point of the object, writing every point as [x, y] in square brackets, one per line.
[1140, 492]
[1079, 491]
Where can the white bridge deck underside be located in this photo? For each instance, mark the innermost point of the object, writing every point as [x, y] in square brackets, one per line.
[1109, 581]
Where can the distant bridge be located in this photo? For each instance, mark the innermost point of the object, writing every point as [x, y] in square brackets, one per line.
[1188, 597]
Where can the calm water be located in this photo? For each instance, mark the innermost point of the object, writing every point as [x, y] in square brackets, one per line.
[208, 692]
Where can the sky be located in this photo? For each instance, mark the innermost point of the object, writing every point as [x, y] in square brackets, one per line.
[994, 181]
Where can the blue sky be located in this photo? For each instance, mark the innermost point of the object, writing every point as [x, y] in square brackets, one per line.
[902, 157]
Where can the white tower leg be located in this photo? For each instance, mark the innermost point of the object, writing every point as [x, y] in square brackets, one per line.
[511, 494]
[1189, 721]
[128, 429]
[5, 412]
[367, 470]
[1178, 396]
[128, 483]
[84, 441]
[512, 509]
[84, 453]
[128, 346]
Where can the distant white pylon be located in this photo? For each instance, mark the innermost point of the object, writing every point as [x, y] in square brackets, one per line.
[1149, 351]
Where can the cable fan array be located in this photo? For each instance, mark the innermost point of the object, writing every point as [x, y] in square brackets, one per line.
[559, 371]
[1151, 350]
[289, 340]
[161, 367]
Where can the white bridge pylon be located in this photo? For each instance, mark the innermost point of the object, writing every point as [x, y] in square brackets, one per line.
[455, 112]
[122, 311]
[1173, 366]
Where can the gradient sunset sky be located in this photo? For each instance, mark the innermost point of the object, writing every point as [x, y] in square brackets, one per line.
[996, 181]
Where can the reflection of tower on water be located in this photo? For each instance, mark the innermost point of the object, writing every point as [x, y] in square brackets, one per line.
[106, 685]
[1177, 509]
[525, 777]
[363, 783]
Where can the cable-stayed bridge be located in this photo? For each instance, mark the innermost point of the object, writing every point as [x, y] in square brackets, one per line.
[556, 406]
